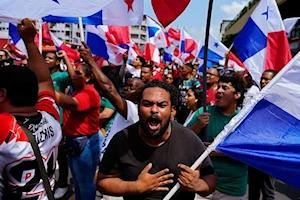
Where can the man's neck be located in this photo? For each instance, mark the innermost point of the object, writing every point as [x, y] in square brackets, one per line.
[211, 86]
[22, 111]
[52, 71]
[194, 107]
[228, 111]
[187, 77]
[138, 67]
[155, 142]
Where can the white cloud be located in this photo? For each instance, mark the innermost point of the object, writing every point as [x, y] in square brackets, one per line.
[234, 8]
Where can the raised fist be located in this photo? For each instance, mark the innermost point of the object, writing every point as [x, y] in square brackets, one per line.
[27, 30]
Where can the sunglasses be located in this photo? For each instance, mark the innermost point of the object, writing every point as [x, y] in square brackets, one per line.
[169, 78]
[226, 72]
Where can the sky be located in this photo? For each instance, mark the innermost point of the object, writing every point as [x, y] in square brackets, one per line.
[193, 19]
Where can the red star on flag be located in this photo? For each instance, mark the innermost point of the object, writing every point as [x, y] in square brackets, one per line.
[232, 65]
[115, 52]
[158, 37]
[129, 4]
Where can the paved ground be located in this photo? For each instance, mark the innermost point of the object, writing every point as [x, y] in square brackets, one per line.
[284, 192]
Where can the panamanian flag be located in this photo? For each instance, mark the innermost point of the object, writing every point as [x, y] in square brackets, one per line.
[262, 43]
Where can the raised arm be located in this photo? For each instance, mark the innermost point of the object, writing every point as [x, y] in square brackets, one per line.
[103, 83]
[62, 54]
[122, 71]
[37, 63]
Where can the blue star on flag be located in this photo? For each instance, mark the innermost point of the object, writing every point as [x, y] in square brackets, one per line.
[266, 13]
[56, 1]
[216, 44]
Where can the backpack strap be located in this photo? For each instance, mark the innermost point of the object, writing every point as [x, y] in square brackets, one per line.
[39, 160]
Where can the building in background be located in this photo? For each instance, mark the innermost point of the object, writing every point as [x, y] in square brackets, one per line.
[294, 39]
[4, 39]
[287, 8]
[224, 24]
[70, 33]
[242, 17]
[139, 34]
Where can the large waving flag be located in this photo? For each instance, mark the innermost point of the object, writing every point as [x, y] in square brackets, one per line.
[117, 35]
[72, 54]
[156, 34]
[117, 13]
[266, 132]
[173, 36]
[14, 11]
[262, 43]
[133, 51]
[48, 38]
[188, 47]
[15, 37]
[15, 51]
[216, 54]
[156, 39]
[171, 54]
[96, 40]
[151, 53]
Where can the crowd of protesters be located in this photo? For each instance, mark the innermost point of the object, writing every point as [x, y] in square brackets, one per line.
[138, 127]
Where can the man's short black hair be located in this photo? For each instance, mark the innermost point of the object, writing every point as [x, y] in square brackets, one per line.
[189, 65]
[142, 59]
[171, 89]
[21, 85]
[148, 66]
[237, 82]
[271, 71]
[54, 52]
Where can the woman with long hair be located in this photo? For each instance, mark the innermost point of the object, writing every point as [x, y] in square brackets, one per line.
[81, 127]
[193, 101]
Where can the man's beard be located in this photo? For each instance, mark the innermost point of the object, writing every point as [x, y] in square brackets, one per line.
[161, 130]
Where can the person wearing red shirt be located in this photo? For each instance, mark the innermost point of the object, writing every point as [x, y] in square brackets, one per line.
[212, 83]
[81, 127]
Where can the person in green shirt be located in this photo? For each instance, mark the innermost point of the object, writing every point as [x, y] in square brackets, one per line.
[61, 81]
[232, 174]
[107, 114]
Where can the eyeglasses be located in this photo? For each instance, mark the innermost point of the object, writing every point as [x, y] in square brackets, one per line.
[169, 78]
[211, 74]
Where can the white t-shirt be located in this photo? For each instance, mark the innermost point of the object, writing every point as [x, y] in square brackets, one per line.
[188, 119]
[252, 91]
[136, 73]
[120, 123]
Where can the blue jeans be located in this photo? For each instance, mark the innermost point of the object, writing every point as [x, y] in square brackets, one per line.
[83, 169]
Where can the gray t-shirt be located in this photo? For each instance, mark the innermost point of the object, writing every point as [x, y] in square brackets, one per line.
[128, 154]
